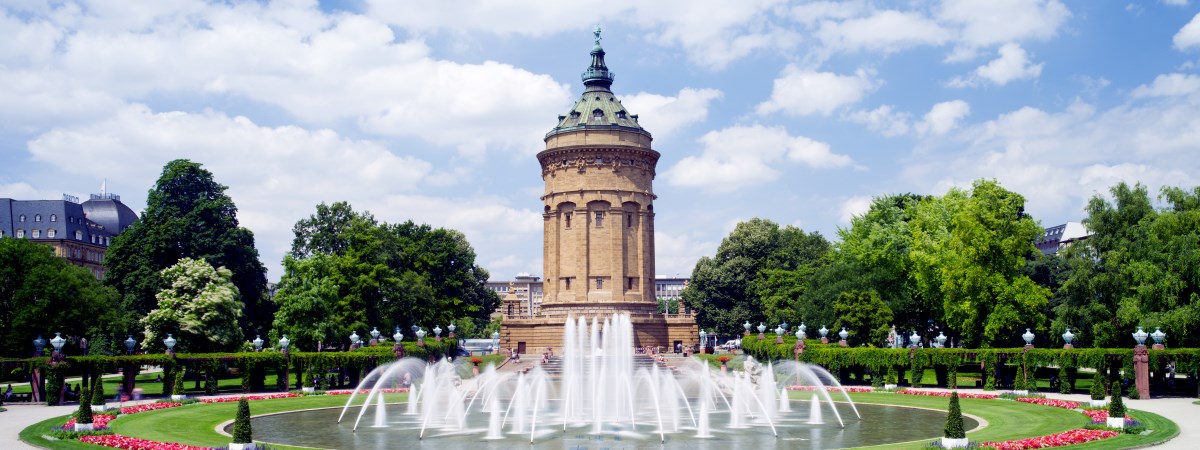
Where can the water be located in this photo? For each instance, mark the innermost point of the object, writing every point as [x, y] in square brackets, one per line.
[604, 391]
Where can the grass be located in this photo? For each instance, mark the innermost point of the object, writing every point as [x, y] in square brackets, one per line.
[146, 382]
[195, 424]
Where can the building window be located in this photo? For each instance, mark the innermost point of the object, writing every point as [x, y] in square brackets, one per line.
[599, 283]
[51, 233]
[78, 235]
[37, 217]
[568, 280]
[37, 234]
[568, 220]
[20, 233]
[21, 219]
[628, 220]
[629, 283]
[599, 219]
[54, 217]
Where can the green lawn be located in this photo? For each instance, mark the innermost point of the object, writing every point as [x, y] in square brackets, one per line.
[146, 382]
[195, 424]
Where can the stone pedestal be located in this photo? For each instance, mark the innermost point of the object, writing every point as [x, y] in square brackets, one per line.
[778, 339]
[824, 340]
[1028, 347]
[1068, 347]
[1141, 371]
[843, 343]
[1159, 347]
[761, 336]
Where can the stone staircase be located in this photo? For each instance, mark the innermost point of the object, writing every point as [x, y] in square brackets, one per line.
[554, 366]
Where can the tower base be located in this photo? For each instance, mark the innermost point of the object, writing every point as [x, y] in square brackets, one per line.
[534, 335]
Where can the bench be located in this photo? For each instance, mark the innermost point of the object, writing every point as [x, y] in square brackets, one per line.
[20, 398]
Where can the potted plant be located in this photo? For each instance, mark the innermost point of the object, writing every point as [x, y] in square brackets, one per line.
[475, 360]
[955, 436]
[97, 397]
[724, 359]
[83, 417]
[177, 389]
[1116, 407]
[1097, 391]
[242, 435]
[891, 380]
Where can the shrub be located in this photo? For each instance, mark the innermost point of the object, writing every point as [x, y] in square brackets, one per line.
[954, 420]
[1097, 390]
[1116, 407]
[1020, 382]
[97, 392]
[84, 415]
[891, 375]
[177, 388]
[241, 423]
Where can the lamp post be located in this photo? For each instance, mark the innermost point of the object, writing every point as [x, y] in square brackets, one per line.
[914, 340]
[1028, 337]
[824, 334]
[258, 343]
[703, 341]
[420, 337]
[57, 342]
[746, 326]
[170, 343]
[451, 328]
[799, 335]
[283, 347]
[1158, 337]
[129, 343]
[941, 340]
[496, 342]
[1141, 364]
[1068, 337]
[779, 334]
[843, 334]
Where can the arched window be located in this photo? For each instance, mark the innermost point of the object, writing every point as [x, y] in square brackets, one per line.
[78, 235]
[21, 219]
[51, 233]
[37, 217]
[37, 234]
[54, 217]
[597, 115]
[20, 233]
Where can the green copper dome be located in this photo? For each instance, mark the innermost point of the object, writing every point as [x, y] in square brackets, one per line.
[597, 108]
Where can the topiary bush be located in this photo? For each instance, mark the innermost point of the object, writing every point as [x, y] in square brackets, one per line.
[1116, 407]
[177, 389]
[1020, 380]
[97, 397]
[241, 423]
[954, 420]
[1097, 390]
[84, 414]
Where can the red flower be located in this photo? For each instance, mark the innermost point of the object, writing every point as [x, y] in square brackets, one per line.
[1050, 402]
[148, 407]
[1055, 440]
[947, 394]
[130, 443]
[830, 388]
[234, 398]
[98, 421]
[364, 391]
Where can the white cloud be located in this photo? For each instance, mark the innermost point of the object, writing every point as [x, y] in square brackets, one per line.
[1176, 2]
[713, 33]
[993, 22]
[853, 207]
[1173, 84]
[1189, 35]
[676, 255]
[1012, 64]
[802, 92]
[883, 120]
[943, 117]
[883, 31]
[745, 155]
[663, 116]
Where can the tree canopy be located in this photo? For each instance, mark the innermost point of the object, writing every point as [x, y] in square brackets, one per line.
[199, 306]
[188, 215]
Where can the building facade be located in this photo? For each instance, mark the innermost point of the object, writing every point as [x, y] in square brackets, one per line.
[598, 170]
[78, 232]
[1056, 237]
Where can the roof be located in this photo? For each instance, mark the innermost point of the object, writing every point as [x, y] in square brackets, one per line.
[108, 211]
[597, 108]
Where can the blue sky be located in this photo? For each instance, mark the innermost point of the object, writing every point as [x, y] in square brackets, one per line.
[799, 112]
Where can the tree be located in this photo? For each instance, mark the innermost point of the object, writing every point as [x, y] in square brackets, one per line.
[969, 250]
[188, 215]
[749, 279]
[1116, 406]
[200, 307]
[954, 419]
[242, 432]
[864, 315]
[84, 413]
[40, 293]
[306, 295]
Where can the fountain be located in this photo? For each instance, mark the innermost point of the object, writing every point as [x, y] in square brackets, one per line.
[601, 391]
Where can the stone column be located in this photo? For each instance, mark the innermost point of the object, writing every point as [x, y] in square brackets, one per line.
[1141, 371]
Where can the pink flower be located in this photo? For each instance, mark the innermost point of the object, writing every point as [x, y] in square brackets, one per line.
[148, 407]
[98, 421]
[831, 388]
[1055, 440]
[364, 391]
[947, 394]
[1050, 402]
[130, 443]
[1100, 415]
[235, 398]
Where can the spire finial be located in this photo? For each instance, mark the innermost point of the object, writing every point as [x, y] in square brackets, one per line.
[596, 31]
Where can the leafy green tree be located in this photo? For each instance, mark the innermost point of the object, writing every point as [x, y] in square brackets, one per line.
[84, 413]
[864, 315]
[188, 215]
[41, 293]
[747, 279]
[969, 251]
[200, 307]
[306, 294]
[242, 432]
[954, 419]
[1116, 406]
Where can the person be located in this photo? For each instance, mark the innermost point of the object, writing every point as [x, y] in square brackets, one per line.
[8, 393]
[158, 379]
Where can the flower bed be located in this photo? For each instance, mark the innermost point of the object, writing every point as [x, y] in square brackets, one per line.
[947, 394]
[249, 397]
[828, 388]
[364, 391]
[1055, 440]
[1101, 415]
[98, 421]
[148, 407]
[1049, 402]
[130, 443]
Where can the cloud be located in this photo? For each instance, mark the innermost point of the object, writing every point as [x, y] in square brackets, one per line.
[882, 120]
[663, 116]
[740, 156]
[712, 33]
[1012, 64]
[1176, 2]
[943, 117]
[853, 207]
[1174, 84]
[883, 31]
[983, 24]
[676, 254]
[1188, 36]
[803, 92]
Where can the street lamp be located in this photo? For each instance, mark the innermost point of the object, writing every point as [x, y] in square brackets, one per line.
[746, 326]
[353, 338]
[258, 343]
[397, 336]
[170, 343]
[496, 342]
[57, 342]
[437, 332]
[703, 341]
[799, 334]
[824, 334]
[762, 329]
[779, 334]
[1028, 337]
[1140, 336]
[129, 343]
[420, 337]
[1068, 336]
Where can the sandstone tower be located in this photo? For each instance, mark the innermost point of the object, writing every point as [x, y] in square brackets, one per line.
[598, 217]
